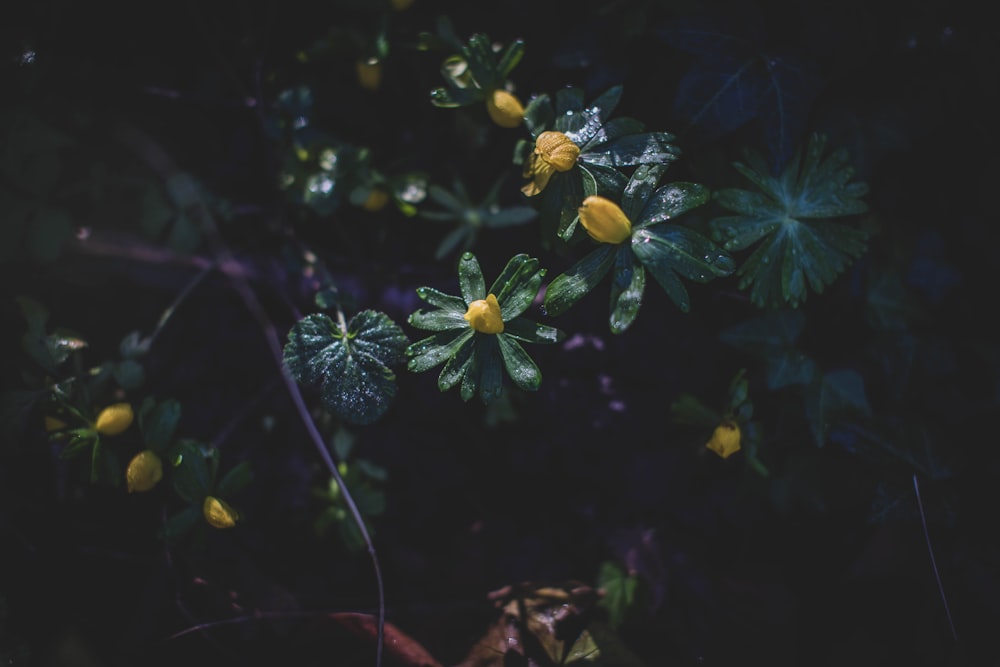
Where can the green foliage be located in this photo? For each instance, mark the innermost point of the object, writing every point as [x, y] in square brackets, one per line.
[606, 144]
[477, 360]
[471, 217]
[350, 362]
[666, 250]
[798, 246]
[365, 479]
[619, 590]
[472, 72]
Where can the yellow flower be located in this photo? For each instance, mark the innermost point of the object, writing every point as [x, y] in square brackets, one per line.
[114, 419]
[604, 220]
[369, 73]
[504, 108]
[376, 201]
[554, 151]
[725, 440]
[218, 513]
[484, 315]
[143, 471]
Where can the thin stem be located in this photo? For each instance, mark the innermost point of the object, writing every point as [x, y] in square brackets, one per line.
[930, 550]
[193, 204]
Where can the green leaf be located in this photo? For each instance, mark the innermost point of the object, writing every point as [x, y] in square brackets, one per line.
[511, 57]
[517, 285]
[839, 392]
[238, 477]
[530, 332]
[429, 352]
[628, 282]
[772, 337]
[539, 115]
[351, 366]
[671, 201]
[191, 475]
[619, 591]
[488, 368]
[569, 287]
[182, 522]
[441, 300]
[519, 365]
[640, 186]
[438, 320]
[457, 366]
[634, 149]
[470, 278]
[800, 248]
[158, 422]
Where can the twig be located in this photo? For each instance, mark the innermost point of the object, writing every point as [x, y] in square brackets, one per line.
[930, 550]
[192, 203]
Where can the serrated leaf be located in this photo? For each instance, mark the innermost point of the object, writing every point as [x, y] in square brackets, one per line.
[799, 248]
[351, 366]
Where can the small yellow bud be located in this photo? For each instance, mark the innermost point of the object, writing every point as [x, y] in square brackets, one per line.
[143, 471]
[484, 315]
[725, 440]
[504, 108]
[604, 220]
[369, 73]
[376, 201]
[218, 513]
[554, 151]
[114, 419]
[400, 5]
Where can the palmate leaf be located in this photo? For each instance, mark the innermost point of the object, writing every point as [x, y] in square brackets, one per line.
[837, 394]
[799, 247]
[351, 365]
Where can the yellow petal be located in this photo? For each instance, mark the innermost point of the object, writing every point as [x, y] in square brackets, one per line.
[114, 419]
[484, 315]
[725, 440]
[369, 73]
[557, 149]
[143, 471]
[218, 513]
[504, 108]
[604, 220]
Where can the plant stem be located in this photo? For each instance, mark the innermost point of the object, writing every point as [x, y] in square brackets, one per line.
[937, 575]
[197, 209]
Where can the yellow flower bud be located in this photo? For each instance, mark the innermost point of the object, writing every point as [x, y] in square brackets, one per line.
[143, 471]
[114, 419]
[604, 220]
[484, 315]
[376, 201]
[400, 5]
[369, 73]
[504, 108]
[554, 151]
[725, 440]
[218, 513]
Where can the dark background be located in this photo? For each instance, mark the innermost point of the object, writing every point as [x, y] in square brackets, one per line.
[789, 571]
